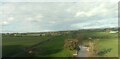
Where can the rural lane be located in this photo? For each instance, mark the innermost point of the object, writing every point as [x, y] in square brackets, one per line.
[83, 52]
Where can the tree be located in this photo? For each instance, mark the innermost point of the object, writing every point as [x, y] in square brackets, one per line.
[93, 48]
[71, 44]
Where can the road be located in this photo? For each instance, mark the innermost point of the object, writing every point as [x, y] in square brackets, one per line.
[83, 52]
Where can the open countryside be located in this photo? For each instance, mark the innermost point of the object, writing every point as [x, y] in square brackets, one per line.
[71, 43]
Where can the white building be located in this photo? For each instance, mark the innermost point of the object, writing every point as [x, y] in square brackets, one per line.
[113, 32]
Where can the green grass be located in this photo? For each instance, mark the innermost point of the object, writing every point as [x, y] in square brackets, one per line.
[55, 46]
[15, 44]
[12, 45]
[64, 53]
[24, 41]
[106, 41]
[111, 43]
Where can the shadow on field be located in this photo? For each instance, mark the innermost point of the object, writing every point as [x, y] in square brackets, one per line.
[11, 50]
[104, 51]
[47, 52]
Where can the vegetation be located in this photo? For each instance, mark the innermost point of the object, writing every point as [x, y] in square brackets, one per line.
[71, 44]
[13, 45]
[101, 44]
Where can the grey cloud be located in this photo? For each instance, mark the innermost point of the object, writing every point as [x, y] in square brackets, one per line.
[57, 16]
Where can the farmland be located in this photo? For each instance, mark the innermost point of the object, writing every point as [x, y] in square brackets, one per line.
[18, 44]
[105, 41]
[53, 45]
[14, 45]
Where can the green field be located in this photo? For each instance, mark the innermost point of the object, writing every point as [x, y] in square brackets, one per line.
[54, 45]
[15, 44]
[106, 40]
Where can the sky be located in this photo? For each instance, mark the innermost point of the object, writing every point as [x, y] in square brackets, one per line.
[32, 16]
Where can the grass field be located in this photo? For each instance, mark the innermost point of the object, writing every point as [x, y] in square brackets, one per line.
[15, 44]
[106, 40]
[54, 47]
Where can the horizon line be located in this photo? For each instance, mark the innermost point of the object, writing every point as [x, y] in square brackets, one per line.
[59, 30]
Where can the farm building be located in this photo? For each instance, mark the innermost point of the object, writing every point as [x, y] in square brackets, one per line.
[113, 32]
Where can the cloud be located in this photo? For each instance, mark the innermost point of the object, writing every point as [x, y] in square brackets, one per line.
[84, 14]
[7, 8]
[102, 10]
[4, 22]
[36, 18]
[101, 23]
[55, 16]
[59, 1]
[7, 21]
